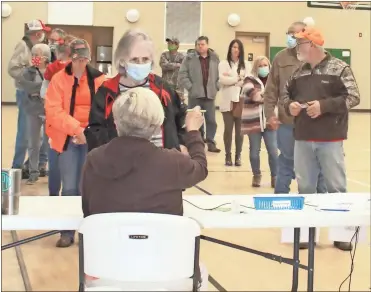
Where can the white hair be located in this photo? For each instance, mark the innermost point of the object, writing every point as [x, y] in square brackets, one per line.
[138, 112]
[126, 42]
[42, 50]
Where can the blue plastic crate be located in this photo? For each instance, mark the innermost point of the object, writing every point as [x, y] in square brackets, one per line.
[279, 203]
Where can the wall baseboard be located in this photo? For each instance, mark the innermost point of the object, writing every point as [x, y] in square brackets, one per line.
[368, 111]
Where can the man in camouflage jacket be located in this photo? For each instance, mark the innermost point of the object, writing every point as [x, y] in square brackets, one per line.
[170, 62]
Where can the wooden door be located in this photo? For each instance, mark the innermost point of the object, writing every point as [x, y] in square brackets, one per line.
[254, 45]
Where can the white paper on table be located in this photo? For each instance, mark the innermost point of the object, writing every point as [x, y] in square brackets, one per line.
[345, 234]
[287, 235]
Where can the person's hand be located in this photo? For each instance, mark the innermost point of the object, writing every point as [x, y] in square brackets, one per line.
[79, 139]
[184, 150]
[239, 83]
[194, 119]
[274, 123]
[314, 109]
[295, 108]
[226, 74]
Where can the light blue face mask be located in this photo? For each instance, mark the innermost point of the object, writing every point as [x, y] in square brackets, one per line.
[291, 41]
[263, 71]
[138, 72]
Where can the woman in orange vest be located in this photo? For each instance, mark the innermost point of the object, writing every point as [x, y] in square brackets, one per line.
[67, 108]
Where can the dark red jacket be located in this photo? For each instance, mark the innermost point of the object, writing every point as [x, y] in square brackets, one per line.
[102, 129]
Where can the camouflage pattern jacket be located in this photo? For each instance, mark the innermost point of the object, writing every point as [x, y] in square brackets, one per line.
[332, 83]
[170, 64]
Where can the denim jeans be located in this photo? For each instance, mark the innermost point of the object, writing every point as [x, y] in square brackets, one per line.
[21, 141]
[71, 162]
[311, 158]
[255, 146]
[36, 136]
[54, 181]
[285, 170]
[21, 138]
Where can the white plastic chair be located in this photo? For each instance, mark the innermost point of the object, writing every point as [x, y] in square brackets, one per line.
[141, 252]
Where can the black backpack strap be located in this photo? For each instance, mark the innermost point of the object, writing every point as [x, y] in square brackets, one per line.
[72, 108]
[40, 74]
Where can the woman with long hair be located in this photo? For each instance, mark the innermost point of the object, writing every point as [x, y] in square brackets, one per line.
[232, 72]
[254, 121]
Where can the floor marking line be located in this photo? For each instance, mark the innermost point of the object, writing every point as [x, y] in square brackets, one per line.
[359, 182]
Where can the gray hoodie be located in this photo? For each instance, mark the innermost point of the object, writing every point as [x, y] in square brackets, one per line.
[30, 81]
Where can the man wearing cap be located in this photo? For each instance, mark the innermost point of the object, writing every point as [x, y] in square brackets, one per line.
[283, 65]
[170, 63]
[319, 95]
[20, 60]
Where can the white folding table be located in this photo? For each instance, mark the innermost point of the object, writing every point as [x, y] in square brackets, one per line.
[65, 213]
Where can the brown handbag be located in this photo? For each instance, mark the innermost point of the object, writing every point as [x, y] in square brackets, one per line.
[236, 108]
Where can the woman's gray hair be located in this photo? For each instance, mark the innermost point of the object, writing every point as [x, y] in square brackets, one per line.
[138, 112]
[60, 32]
[125, 44]
[255, 65]
[42, 49]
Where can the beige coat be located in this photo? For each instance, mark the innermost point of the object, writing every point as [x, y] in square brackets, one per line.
[228, 89]
[20, 60]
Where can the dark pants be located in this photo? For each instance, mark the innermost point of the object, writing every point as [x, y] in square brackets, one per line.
[71, 162]
[229, 122]
[270, 141]
[209, 106]
[54, 181]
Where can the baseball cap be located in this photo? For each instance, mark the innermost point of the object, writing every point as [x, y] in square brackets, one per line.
[80, 49]
[173, 40]
[311, 34]
[37, 24]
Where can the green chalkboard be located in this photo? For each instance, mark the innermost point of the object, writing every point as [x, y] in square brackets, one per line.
[338, 53]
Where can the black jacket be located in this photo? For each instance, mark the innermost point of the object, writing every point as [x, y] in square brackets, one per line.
[102, 129]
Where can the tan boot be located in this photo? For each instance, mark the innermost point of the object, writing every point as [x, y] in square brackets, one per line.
[256, 181]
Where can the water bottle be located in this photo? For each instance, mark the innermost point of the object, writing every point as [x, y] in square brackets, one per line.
[10, 191]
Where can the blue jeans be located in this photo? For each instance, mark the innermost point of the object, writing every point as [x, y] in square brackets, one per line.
[311, 158]
[21, 140]
[285, 171]
[71, 162]
[271, 145]
[54, 181]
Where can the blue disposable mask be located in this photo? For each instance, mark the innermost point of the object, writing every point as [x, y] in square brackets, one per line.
[138, 72]
[291, 41]
[263, 71]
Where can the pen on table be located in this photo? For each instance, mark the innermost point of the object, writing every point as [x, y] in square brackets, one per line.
[335, 210]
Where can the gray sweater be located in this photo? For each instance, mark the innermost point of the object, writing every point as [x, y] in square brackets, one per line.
[190, 76]
[30, 81]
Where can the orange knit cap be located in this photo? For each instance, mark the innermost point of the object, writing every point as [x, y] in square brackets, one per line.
[311, 34]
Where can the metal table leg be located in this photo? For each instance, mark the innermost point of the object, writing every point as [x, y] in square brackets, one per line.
[81, 264]
[311, 245]
[295, 269]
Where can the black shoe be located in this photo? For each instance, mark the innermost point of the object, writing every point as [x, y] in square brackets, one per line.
[237, 160]
[344, 246]
[211, 147]
[43, 171]
[228, 159]
[32, 180]
[65, 241]
[25, 174]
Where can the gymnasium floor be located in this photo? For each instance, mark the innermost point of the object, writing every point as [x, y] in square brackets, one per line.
[52, 269]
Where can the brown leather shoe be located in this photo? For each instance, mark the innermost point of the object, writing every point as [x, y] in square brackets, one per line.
[273, 181]
[65, 241]
[237, 160]
[344, 246]
[228, 159]
[211, 147]
[256, 180]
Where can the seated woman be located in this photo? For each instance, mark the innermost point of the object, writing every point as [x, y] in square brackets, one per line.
[254, 121]
[152, 177]
[131, 174]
